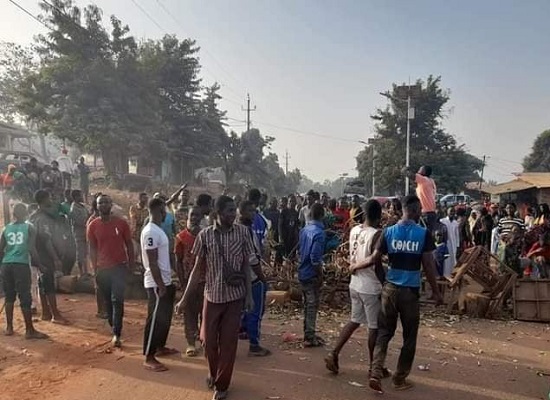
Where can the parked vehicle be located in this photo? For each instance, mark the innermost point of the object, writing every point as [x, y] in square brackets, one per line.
[17, 158]
[451, 200]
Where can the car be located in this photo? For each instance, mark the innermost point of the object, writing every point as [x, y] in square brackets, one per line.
[451, 200]
[17, 158]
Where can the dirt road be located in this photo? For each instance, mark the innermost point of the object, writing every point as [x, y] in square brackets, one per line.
[473, 359]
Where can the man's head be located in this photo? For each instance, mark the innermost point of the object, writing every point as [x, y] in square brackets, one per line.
[255, 196]
[395, 206]
[55, 165]
[355, 201]
[511, 210]
[77, 197]
[204, 202]
[157, 210]
[104, 205]
[425, 170]
[324, 199]
[82, 160]
[20, 212]
[33, 162]
[451, 213]
[292, 202]
[283, 203]
[273, 203]
[43, 199]
[317, 212]
[68, 196]
[332, 204]
[65, 151]
[194, 218]
[226, 210]
[310, 198]
[11, 169]
[247, 210]
[373, 212]
[411, 207]
[343, 203]
[47, 168]
[143, 199]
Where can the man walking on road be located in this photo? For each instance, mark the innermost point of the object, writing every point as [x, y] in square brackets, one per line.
[222, 252]
[17, 244]
[408, 246]
[112, 254]
[426, 191]
[78, 217]
[155, 251]
[310, 272]
[365, 286]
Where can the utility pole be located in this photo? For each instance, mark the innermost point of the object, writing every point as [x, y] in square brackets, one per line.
[410, 115]
[248, 109]
[286, 162]
[481, 176]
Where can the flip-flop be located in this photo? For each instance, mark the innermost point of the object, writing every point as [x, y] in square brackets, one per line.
[155, 368]
[62, 321]
[376, 385]
[166, 352]
[8, 333]
[191, 351]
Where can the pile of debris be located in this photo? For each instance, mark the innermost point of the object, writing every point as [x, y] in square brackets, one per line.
[495, 278]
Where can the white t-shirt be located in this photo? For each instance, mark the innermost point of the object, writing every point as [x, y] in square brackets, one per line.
[153, 237]
[360, 244]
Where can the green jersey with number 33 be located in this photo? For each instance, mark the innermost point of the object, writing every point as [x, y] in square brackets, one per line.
[17, 244]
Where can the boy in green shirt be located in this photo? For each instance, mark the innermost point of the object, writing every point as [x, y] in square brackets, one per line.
[17, 244]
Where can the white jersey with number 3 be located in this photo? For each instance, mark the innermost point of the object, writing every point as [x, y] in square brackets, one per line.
[153, 237]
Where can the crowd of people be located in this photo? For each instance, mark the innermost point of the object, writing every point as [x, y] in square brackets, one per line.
[215, 249]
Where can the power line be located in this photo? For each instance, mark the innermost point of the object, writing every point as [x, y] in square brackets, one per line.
[148, 15]
[308, 133]
[29, 13]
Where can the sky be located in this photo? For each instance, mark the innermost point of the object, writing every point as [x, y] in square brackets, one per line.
[314, 68]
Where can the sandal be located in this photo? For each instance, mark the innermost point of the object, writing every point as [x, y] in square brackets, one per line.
[376, 385]
[191, 351]
[312, 343]
[155, 367]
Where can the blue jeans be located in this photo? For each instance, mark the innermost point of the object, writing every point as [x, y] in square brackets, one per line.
[252, 321]
[112, 283]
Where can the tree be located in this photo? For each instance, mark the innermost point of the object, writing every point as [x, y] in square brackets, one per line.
[430, 144]
[89, 87]
[16, 62]
[539, 159]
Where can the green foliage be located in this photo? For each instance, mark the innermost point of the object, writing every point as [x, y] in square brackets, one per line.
[430, 144]
[539, 159]
[108, 94]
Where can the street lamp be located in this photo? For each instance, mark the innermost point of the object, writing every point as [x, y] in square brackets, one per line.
[342, 176]
[410, 115]
[370, 142]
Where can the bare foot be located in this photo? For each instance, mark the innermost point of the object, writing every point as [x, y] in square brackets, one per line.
[154, 366]
[34, 334]
[8, 331]
[59, 320]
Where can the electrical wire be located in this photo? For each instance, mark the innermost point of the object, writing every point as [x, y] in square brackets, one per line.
[308, 133]
[29, 13]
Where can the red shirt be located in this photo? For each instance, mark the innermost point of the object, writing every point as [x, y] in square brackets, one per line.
[109, 239]
[185, 241]
[342, 216]
[545, 252]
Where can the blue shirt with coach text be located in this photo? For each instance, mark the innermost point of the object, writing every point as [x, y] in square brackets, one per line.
[404, 243]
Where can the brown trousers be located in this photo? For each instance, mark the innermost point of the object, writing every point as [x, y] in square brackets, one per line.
[220, 328]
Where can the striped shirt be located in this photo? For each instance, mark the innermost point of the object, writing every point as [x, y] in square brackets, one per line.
[507, 224]
[237, 249]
